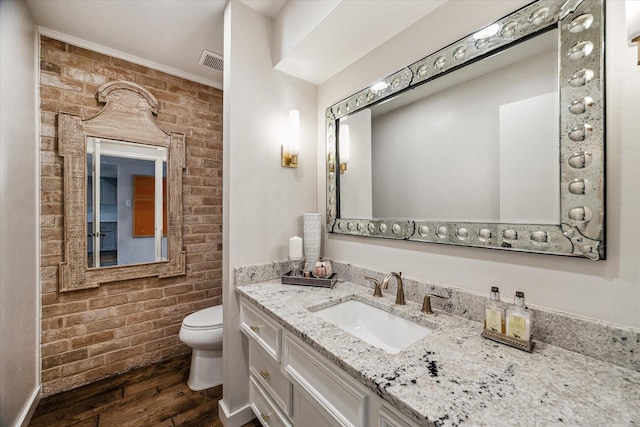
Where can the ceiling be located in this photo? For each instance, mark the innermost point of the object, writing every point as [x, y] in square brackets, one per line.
[171, 35]
[167, 34]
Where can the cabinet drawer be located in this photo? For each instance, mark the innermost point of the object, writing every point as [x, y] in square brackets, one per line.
[264, 409]
[265, 331]
[269, 376]
[338, 393]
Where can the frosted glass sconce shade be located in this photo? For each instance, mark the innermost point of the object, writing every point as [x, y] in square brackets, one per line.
[344, 142]
[632, 12]
[291, 147]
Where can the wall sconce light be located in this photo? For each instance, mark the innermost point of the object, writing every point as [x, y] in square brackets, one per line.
[632, 11]
[344, 145]
[291, 147]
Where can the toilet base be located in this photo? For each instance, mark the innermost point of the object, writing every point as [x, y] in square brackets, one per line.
[205, 370]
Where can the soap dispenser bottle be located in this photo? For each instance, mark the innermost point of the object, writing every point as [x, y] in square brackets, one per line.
[519, 319]
[494, 313]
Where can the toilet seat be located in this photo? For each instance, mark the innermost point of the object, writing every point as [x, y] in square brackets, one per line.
[208, 318]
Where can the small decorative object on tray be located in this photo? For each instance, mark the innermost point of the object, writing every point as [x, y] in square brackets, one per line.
[328, 282]
[510, 341]
[296, 266]
[322, 270]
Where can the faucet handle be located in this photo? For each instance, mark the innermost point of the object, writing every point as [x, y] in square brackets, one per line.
[426, 303]
[377, 292]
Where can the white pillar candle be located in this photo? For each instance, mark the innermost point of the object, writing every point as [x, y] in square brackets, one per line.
[295, 247]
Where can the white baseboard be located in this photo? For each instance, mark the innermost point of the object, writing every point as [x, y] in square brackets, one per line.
[236, 419]
[29, 409]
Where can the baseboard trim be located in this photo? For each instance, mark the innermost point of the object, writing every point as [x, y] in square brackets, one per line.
[30, 408]
[237, 418]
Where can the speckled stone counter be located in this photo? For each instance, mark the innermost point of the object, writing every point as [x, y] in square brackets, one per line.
[453, 376]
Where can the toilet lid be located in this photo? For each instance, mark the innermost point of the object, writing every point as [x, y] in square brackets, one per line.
[207, 318]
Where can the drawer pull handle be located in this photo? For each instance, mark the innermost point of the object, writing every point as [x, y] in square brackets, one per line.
[254, 328]
[264, 374]
[265, 417]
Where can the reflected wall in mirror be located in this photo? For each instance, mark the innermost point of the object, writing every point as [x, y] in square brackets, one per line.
[494, 141]
[125, 203]
[478, 131]
[122, 192]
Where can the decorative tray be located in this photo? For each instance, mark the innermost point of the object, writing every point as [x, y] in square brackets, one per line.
[513, 342]
[329, 282]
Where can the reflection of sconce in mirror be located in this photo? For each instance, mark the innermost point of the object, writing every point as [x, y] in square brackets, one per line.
[291, 147]
[483, 37]
[379, 87]
[344, 143]
[632, 11]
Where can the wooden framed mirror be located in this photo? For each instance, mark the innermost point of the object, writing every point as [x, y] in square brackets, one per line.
[100, 245]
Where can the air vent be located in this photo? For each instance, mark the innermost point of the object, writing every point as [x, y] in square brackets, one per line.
[211, 60]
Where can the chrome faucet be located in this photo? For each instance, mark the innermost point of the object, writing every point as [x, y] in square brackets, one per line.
[400, 291]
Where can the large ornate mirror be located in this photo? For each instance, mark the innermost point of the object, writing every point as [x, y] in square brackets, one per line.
[495, 141]
[122, 192]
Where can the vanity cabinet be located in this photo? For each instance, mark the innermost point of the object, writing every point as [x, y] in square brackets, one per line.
[319, 385]
[291, 384]
[268, 374]
[261, 329]
[269, 391]
[390, 417]
[264, 408]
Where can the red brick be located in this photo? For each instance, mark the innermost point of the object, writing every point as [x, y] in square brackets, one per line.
[109, 346]
[108, 301]
[81, 365]
[91, 339]
[129, 323]
[136, 328]
[64, 358]
[125, 353]
[61, 309]
[106, 324]
[147, 294]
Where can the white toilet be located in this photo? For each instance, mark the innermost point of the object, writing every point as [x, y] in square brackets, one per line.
[202, 331]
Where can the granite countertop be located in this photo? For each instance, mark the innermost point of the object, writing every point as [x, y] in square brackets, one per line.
[453, 376]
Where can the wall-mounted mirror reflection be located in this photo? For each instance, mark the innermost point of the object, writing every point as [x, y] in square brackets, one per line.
[126, 207]
[477, 145]
[493, 141]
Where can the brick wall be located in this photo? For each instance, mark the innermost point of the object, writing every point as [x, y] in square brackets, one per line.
[91, 334]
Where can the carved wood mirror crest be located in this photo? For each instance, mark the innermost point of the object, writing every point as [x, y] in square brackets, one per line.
[127, 118]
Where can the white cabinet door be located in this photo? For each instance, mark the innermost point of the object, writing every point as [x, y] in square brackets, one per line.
[308, 412]
[108, 191]
[389, 417]
[334, 390]
[268, 374]
[264, 408]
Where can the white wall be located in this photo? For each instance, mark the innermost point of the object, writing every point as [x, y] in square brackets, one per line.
[263, 202]
[356, 182]
[19, 207]
[607, 290]
[461, 138]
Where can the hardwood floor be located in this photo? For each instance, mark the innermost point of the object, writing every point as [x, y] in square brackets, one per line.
[152, 396]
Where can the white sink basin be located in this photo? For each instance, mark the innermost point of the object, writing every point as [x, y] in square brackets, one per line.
[373, 325]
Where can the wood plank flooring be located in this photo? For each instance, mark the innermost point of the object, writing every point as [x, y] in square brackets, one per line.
[152, 396]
